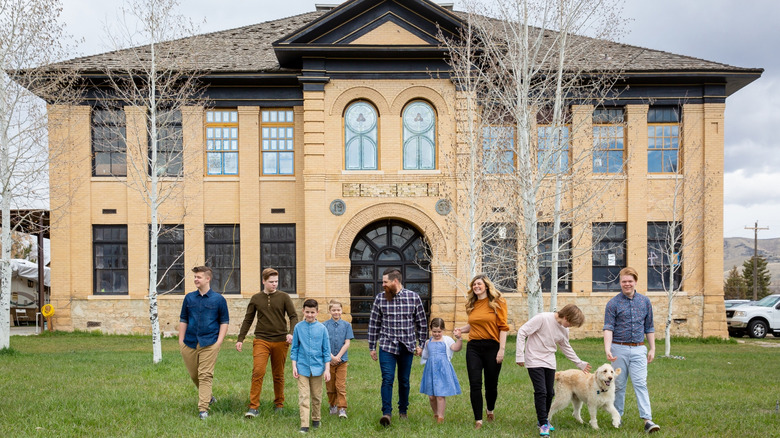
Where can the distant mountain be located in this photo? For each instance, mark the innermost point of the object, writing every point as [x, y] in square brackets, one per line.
[738, 249]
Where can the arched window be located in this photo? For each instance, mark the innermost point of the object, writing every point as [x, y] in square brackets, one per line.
[360, 137]
[419, 136]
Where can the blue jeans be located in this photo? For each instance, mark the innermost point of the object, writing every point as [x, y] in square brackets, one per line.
[388, 363]
[633, 362]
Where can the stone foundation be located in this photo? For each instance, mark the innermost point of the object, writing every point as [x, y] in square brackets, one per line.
[131, 316]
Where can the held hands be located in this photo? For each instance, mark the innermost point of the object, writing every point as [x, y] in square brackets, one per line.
[418, 351]
[457, 333]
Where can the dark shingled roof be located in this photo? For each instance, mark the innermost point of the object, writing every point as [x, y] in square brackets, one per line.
[249, 49]
[244, 49]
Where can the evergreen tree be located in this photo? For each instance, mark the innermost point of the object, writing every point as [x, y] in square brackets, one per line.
[764, 279]
[735, 288]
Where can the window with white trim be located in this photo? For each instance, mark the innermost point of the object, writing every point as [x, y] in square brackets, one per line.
[361, 136]
[419, 120]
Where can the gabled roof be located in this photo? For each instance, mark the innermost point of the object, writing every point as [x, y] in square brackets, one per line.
[243, 49]
[277, 46]
[345, 30]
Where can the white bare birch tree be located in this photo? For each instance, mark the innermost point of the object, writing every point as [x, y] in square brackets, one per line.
[535, 58]
[481, 158]
[154, 78]
[31, 39]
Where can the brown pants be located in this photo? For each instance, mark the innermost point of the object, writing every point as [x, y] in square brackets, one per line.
[200, 363]
[310, 392]
[337, 385]
[261, 351]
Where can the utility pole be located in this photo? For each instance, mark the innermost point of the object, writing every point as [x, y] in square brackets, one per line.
[755, 259]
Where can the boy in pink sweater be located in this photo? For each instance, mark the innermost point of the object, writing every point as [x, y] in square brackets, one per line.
[537, 341]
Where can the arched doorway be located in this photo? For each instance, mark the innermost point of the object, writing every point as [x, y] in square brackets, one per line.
[380, 245]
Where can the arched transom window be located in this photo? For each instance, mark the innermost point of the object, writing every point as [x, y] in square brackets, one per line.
[360, 137]
[419, 136]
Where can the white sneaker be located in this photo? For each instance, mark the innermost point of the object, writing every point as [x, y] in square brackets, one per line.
[334, 410]
[342, 413]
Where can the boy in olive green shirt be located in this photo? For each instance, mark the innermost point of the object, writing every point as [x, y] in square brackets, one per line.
[273, 336]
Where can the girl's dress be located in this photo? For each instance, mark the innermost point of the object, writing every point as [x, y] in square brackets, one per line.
[439, 378]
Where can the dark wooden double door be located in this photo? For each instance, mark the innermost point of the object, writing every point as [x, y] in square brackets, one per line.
[381, 245]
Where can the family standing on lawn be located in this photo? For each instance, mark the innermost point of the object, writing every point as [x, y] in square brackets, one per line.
[397, 332]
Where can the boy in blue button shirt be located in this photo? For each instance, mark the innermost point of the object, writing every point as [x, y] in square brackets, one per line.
[310, 356]
[203, 323]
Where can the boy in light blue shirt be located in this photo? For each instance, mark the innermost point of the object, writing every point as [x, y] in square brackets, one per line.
[340, 333]
[310, 356]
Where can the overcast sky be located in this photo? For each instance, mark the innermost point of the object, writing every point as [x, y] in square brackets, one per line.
[739, 33]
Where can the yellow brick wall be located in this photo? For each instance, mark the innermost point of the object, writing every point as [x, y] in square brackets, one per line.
[323, 239]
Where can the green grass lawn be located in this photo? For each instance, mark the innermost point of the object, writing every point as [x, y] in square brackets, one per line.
[92, 385]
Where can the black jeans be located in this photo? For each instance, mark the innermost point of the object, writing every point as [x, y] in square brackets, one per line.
[481, 355]
[543, 380]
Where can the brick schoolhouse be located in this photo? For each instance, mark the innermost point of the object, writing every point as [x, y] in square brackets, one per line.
[301, 160]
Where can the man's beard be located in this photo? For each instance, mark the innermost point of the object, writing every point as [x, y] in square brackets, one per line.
[390, 293]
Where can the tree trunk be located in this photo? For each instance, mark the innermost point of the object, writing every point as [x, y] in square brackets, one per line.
[5, 236]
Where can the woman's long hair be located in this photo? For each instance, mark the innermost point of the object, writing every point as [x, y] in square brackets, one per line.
[492, 293]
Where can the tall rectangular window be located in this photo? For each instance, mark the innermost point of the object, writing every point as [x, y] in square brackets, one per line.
[170, 259]
[663, 139]
[664, 244]
[222, 142]
[109, 259]
[608, 141]
[498, 146]
[169, 143]
[108, 142]
[277, 142]
[499, 254]
[223, 256]
[277, 250]
[609, 255]
[553, 146]
[545, 237]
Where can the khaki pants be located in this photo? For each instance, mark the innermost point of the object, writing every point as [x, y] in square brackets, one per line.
[337, 386]
[310, 392]
[261, 351]
[200, 363]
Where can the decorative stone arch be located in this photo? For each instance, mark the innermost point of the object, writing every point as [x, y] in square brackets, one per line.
[359, 93]
[389, 210]
[420, 93]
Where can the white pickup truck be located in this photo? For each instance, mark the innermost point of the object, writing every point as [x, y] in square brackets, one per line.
[756, 319]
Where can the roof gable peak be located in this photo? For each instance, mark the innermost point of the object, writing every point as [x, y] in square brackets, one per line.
[354, 19]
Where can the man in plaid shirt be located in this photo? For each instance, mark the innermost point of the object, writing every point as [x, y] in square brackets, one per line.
[399, 325]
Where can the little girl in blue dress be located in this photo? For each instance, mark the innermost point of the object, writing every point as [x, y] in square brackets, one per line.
[439, 379]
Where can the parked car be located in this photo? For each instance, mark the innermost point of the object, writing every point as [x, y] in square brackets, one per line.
[756, 319]
[735, 303]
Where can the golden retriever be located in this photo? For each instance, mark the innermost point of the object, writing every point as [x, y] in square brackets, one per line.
[597, 390]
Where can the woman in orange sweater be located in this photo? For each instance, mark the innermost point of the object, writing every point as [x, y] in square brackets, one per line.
[487, 329]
